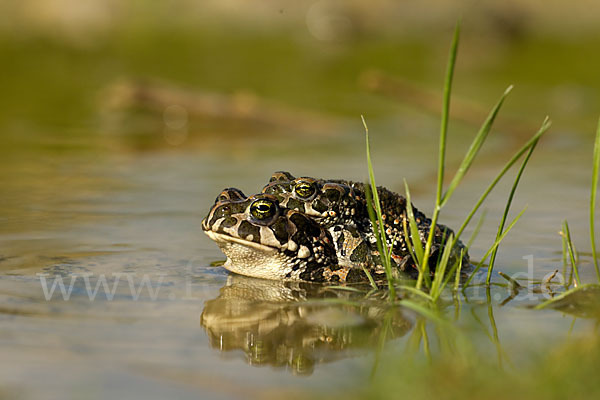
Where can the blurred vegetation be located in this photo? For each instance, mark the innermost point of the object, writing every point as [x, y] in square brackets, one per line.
[567, 371]
[60, 57]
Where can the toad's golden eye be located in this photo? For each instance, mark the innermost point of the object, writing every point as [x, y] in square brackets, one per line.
[262, 209]
[304, 190]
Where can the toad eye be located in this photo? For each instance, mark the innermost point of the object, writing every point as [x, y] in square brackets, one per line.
[304, 190]
[263, 209]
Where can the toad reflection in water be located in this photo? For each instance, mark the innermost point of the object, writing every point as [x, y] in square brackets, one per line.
[291, 325]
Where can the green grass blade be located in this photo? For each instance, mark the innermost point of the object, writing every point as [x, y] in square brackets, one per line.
[458, 271]
[496, 243]
[563, 238]
[346, 288]
[595, 171]
[409, 245]
[413, 343]
[424, 263]
[457, 264]
[446, 111]
[426, 349]
[369, 277]
[507, 209]
[476, 230]
[415, 237]
[387, 320]
[442, 151]
[373, 218]
[436, 286]
[474, 148]
[379, 229]
[424, 311]
[416, 291]
[495, 337]
[572, 253]
[543, 129]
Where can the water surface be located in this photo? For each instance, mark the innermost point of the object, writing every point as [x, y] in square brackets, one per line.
[172, 324]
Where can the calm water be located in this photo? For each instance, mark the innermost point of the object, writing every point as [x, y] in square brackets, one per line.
[168, 324]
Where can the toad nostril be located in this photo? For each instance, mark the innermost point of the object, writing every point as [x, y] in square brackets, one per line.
[223, 211]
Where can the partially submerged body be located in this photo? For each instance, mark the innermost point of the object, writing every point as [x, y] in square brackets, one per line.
[264, 240]
[316, 230]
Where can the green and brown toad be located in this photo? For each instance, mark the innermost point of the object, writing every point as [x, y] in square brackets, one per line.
[315, 230]
[264, 240]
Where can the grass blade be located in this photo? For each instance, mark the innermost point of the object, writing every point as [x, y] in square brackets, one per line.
[495, 337]
[387, 321]
[370, 278]
[543, 129]
[476, 230]
[564, 259]
[595, 170]
[496, 243]
[507, 209]
[347, 288]
[378, 229]
[416, 291]
[436, 286]
[415, 237]
[409, 245]
[474, 148]
[458, 271]
[446, 111]
[424, 311]
[572, 253]
[426, 349]
[442, 151]
[379, 239]
[457, 265]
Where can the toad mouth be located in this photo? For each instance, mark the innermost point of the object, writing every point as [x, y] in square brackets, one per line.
[224, 238]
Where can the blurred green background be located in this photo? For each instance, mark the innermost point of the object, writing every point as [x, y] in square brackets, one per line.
[71, 68]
